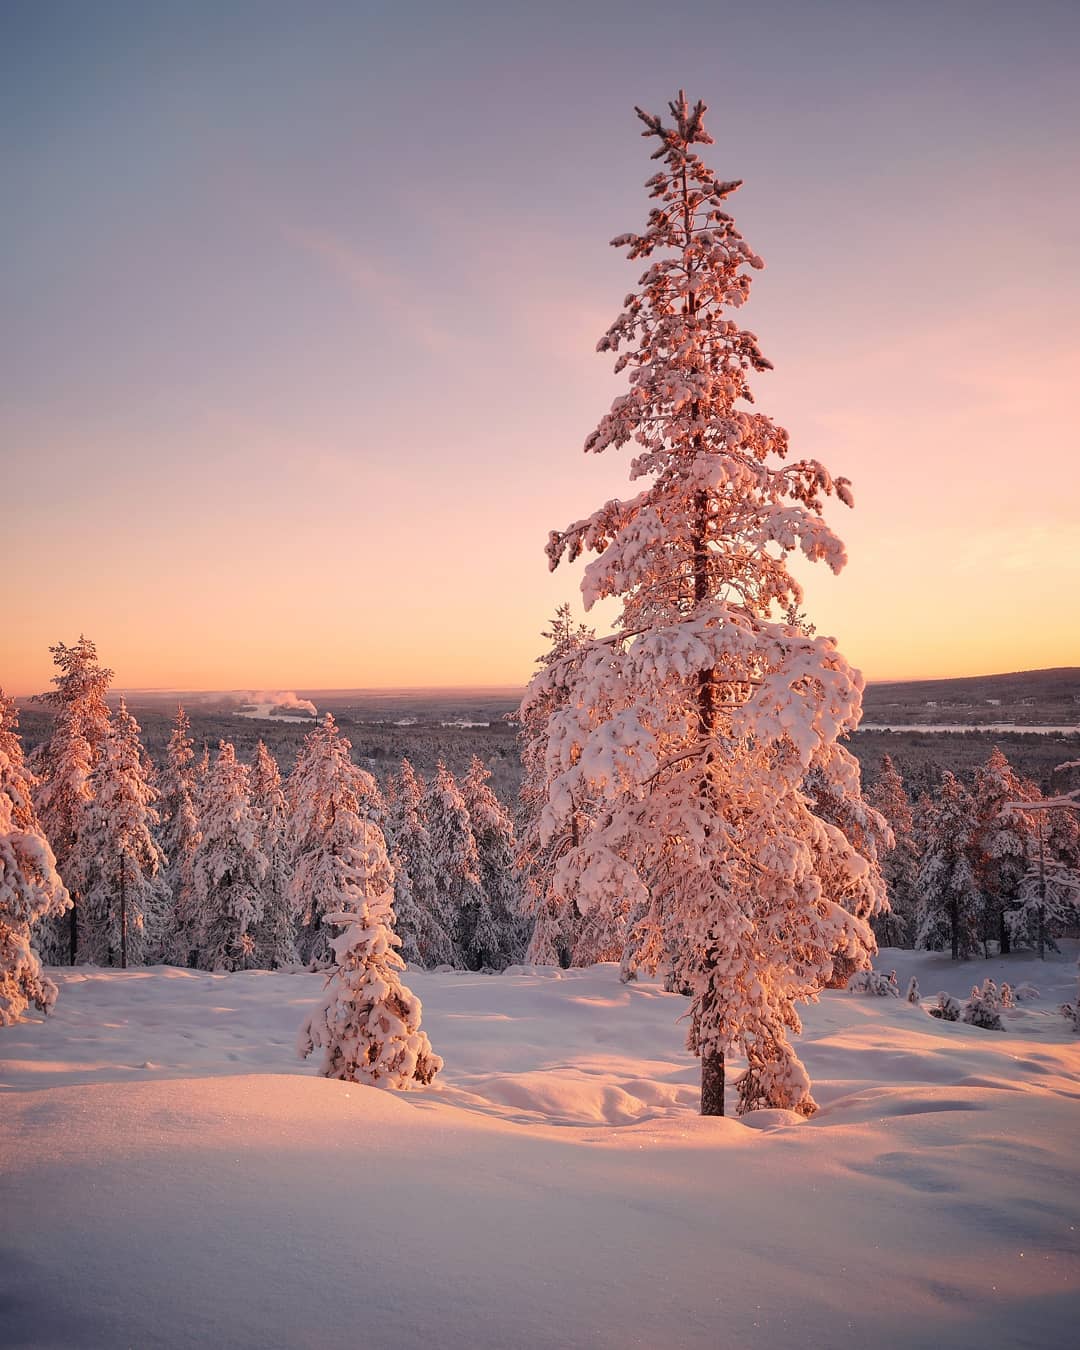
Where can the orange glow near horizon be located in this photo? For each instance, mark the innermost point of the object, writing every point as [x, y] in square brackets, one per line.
[260, 434]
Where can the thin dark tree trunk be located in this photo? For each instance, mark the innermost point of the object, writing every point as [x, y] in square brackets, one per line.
[74, 928]
[123, 917]
[954, 924]
[1004, 946]
[1042, 894]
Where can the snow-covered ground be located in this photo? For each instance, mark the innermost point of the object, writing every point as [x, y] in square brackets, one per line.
[171, 1175]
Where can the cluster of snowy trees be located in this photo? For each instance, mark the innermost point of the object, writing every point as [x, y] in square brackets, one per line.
[993, 862]
[212, 863]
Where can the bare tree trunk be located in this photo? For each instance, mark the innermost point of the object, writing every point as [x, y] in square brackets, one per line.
[712, 1083]
[1042, 893]
[123, 916]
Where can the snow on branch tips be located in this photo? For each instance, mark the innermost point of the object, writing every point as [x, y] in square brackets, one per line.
[686, 780]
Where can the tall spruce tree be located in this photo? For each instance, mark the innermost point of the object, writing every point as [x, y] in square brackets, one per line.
[275, 933]
[229, 867]
[555, 919]
[460, 906]
[949, 902]
[424, 939]
[1002, 842]
[30, 886]
[493, 831]
[63, 766]
[327, 794]
[180, 835]
[895, 927]
[698, 719]
[120, 862]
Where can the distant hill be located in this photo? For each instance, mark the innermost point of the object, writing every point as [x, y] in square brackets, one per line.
[1027, 697]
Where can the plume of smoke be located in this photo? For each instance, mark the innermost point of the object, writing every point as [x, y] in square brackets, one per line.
[283, 698]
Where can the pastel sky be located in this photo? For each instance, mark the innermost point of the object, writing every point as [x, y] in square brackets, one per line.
[301, 300]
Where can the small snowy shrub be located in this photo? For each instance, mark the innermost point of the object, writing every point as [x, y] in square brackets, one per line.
[1007, 997]
[912, 995]
[873, 982]
[368, 1026]
[1025, 993]
[948, 1008]
[983, 1008]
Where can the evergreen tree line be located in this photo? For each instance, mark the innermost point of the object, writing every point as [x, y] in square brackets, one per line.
[212, 863]
[970, 870]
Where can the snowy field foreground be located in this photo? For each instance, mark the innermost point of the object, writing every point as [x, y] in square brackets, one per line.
[171, 1175]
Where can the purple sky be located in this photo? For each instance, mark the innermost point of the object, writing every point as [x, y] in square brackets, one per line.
[301, 303]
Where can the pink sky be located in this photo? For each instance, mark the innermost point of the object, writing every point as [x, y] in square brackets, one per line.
[304, 317]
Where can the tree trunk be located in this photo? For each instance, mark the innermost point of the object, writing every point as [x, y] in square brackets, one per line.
[1004, 947]
[1042, 894]
[74, 928]
[712, 1083]
[123, 917]
[954, 924]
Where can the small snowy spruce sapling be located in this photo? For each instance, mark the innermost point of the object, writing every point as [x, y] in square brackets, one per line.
[912, 994]
[694, 724]
[983, 1008]
[229, 867]
[367, 1027]
[30, 885]
[874, 982]
[947, 1008]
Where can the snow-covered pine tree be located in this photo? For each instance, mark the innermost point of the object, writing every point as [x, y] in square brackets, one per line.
[459, 898]
[895, 927]
[1047, 903]
[555, 919]
[424, 939]
[983, 1008]
[698, 719]
[912, 994]
[862, 893]
[1002, 842]
[368, 1024]
[63, 767]
[119, 872]
[180, 835]
[229, 867]
[949, 905]
[326, 795]
[30, 885]
[493, 831]
[275, 933]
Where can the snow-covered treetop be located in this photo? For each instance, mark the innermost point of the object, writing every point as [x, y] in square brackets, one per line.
[81, 687]
[708, 456]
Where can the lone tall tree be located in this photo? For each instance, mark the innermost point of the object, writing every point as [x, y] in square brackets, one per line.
[697, 721]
